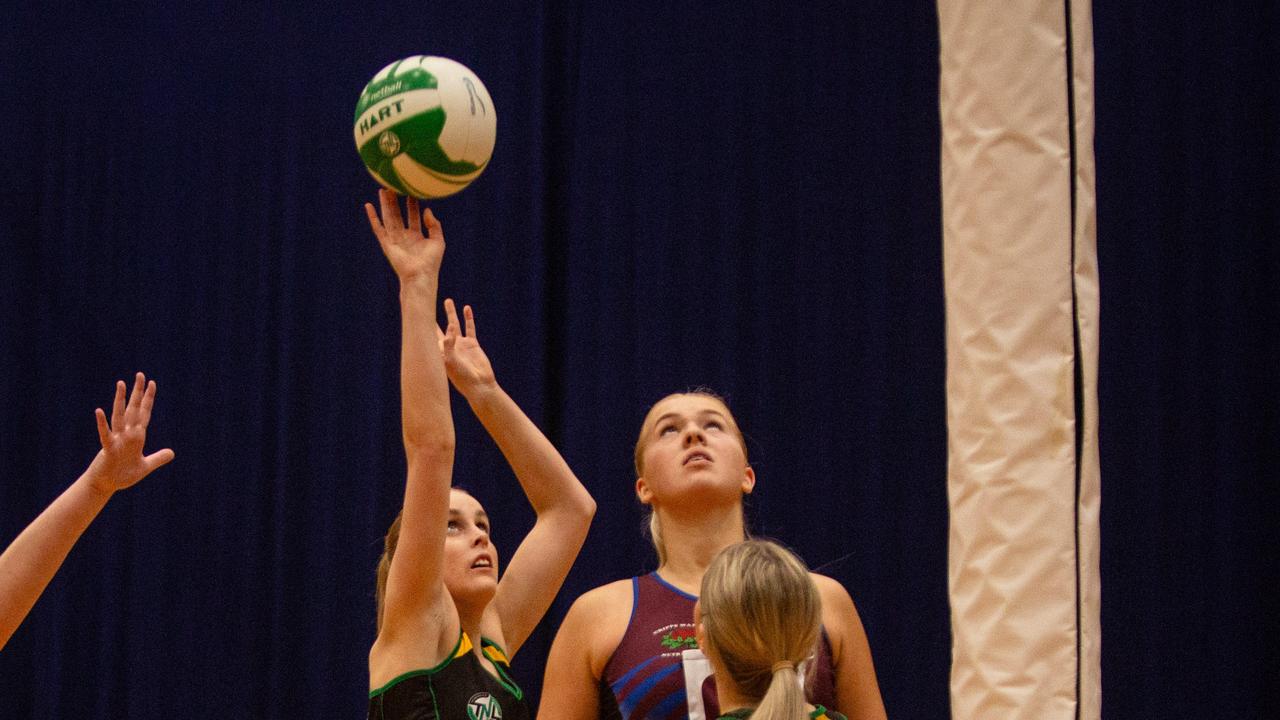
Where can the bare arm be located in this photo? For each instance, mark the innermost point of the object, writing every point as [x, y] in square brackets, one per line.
[587, 638]
[414, 583]
[563, 506]
[28, 565]
[857, 691]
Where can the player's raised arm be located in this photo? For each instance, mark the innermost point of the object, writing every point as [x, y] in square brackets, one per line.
[30, 562]
[414, 579]
[564, 507]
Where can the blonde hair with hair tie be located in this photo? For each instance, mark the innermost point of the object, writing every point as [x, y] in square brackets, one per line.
[761, 615]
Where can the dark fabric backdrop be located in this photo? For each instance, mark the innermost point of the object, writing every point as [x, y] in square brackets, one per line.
[1189, 185]
[726, 194]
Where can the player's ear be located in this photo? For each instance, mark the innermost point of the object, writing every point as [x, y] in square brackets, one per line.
[643, 492]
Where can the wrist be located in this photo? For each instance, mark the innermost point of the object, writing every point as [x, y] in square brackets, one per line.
[95, 480]
[482, 395]
[417, 285]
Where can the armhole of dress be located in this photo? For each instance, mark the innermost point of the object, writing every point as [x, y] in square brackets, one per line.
[486, 645]
[498, 657]
[816, 671]
[635, 605]
[462, 647]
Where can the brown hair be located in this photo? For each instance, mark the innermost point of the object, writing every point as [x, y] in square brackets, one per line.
[761, 614]
[384, 564]
[388, 552]
[654, 527]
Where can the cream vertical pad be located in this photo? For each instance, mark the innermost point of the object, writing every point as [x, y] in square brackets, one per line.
[1022, 336]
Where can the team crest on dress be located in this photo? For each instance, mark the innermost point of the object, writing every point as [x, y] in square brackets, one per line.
[679, 640]
[678, 637]
[483, 706]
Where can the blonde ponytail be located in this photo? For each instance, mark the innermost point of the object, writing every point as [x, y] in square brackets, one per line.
[655, 536]
[761, 615]
[784, 699]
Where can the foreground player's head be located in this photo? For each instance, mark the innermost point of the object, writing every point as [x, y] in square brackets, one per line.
[470, 564]
[690, 456]
[758, 616]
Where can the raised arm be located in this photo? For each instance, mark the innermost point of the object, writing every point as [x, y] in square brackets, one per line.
[414, 583]
[28, 565]
[564, 507]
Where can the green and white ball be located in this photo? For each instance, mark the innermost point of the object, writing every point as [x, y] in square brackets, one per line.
[425, 126]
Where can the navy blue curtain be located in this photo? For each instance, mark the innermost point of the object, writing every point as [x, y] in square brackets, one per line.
[734, 195]
[737, 195]
[1188, 230]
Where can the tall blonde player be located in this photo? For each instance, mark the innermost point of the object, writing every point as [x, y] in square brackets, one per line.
[627, 650]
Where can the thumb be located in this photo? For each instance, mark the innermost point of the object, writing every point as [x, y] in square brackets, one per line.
[157, 459]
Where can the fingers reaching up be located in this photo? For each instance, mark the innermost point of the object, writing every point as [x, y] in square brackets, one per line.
[121, 462]
[464, 360]
[412, 254]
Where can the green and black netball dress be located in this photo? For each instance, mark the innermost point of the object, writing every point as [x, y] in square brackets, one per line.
[819, 713]
[460, 688]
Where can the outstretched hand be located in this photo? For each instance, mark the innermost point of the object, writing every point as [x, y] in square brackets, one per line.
[411, 253]
[120, 463]
[464, 360]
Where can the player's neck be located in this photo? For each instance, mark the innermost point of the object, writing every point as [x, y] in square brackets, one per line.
[691, 543]
[729, 695]
[471, 617]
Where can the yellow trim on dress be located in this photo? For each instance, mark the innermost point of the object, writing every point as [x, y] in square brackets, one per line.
[494, 653]
[464, 647]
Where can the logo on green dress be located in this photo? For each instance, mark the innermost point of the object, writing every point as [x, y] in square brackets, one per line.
[483, 706]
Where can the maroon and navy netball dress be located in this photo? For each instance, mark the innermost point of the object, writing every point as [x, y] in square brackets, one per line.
[658, 673]
[460, 688]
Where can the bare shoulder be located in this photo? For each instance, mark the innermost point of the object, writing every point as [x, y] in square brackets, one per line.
[857, 691]
[411, 641]
[605, 600]
[832, 592]
[839, 616]
[602, 611]
[597, 621]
